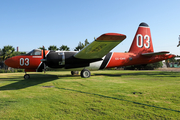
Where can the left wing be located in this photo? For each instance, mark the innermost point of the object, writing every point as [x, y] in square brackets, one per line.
[155, 53]
[101, 46]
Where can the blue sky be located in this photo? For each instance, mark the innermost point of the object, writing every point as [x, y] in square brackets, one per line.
[34, 23]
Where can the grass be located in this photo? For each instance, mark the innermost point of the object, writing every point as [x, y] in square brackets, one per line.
[108, 94]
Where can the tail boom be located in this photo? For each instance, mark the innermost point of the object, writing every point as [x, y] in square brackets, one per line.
[126, 59]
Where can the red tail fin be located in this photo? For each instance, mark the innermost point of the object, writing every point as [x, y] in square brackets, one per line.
[142, 42]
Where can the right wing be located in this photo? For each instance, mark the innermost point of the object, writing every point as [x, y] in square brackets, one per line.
[101, 46]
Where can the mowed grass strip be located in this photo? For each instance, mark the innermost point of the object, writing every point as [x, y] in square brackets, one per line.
[108, 94]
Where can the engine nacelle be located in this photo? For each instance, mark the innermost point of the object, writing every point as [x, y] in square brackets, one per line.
[55, 59]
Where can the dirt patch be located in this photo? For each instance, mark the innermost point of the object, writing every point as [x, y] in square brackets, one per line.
[169, 69]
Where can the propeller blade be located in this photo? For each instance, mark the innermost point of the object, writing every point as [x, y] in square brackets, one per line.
[44, 59]
[43, 52]
[44, 67]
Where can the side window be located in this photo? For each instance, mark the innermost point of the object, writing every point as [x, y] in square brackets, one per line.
[30, 53]
[37, 53]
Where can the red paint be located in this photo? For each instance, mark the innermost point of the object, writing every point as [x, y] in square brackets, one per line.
[27, 62]
[112, 37]
[126, 59]
[142, 33]
[142, 43]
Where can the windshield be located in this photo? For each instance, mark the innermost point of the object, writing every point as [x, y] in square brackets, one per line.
[34, 52]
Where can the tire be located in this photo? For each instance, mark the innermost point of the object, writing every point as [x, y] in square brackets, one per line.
[26, 76]
[85, 73]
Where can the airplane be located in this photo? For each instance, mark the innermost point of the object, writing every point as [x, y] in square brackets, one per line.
[95, 56]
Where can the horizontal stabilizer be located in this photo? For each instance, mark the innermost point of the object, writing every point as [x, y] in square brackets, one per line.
[155, 53]
[101, 46]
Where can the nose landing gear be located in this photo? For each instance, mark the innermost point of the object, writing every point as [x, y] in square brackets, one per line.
[26, 76]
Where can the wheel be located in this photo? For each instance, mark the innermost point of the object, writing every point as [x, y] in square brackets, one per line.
[26, 76]
[74, 72]
[85, 73]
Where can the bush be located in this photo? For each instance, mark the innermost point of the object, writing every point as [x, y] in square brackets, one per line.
[11, 71]
[4, 71]
[19, 70]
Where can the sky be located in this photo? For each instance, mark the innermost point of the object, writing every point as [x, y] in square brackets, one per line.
[30, 24]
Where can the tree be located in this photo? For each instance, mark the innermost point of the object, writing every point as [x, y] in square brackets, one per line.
[18, 53]
[81, 45]
[86, 42]
[42, 48]
[52, 47]
[1, 52]
[64, 48]
[1, 57]
[7, 52]
[171, 60]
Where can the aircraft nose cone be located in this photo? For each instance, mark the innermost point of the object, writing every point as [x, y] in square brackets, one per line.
[9, 62]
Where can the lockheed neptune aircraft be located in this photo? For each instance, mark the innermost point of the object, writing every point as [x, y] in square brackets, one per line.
[95, 56]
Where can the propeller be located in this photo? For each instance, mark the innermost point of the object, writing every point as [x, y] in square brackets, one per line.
[44, 59]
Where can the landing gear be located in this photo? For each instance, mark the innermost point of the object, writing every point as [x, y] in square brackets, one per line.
[85, 73]
[74, 72]
[26, 76]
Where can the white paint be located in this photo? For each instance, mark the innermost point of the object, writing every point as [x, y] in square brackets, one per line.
[23, 61]
[140, 41]
[37, 56]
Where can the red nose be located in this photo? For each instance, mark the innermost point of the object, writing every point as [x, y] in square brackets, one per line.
[10, 62]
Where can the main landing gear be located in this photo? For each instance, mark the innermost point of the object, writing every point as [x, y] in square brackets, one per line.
[26, 76]
[74, 72]
[84, 73]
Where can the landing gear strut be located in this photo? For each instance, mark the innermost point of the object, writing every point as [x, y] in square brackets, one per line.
[85, 73]
[26, 76]
[74, 72]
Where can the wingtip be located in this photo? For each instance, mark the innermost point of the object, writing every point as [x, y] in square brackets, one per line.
[112, 37]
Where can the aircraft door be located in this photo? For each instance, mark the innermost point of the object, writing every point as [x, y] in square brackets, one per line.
[61, 57]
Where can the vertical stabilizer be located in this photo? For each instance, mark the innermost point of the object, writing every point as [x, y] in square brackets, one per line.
[142, 42]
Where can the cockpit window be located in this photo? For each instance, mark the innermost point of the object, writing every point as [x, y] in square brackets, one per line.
[34, 52]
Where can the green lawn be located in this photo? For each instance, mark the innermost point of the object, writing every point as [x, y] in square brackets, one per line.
[108, 94]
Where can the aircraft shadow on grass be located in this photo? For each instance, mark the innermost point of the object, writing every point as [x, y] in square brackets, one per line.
[39, 78]
[34, 80]
[24, 83]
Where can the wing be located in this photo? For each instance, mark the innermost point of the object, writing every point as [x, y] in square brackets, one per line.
[101, 46]
[155, 53]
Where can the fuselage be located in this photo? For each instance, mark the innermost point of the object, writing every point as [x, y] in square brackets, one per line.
[65, 60]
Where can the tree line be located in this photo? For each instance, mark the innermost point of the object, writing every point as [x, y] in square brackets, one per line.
[9, 51]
